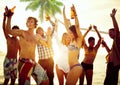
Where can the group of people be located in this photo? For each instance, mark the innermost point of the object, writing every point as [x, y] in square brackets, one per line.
[21, 46]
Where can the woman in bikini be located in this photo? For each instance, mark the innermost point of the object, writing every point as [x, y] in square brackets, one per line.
[90, 54]
[73, 49]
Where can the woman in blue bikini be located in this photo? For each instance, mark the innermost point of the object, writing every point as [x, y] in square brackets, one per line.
[73, 49]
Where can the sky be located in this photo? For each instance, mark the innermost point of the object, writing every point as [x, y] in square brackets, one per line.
[95, 12]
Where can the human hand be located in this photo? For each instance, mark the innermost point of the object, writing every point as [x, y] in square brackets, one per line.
[6, 11]
[90, 27]
[113, 12]
[103, 42]
[49, 31]
[95, 27]
[9, 12]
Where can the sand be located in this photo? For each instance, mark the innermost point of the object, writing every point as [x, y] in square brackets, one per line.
[98, 76]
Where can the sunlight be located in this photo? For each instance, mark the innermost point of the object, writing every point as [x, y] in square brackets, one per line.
[88, 11]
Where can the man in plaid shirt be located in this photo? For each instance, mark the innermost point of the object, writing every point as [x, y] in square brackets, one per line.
[45, 55]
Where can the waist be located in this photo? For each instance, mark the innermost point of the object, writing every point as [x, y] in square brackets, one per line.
[78, 64]
[26, 60]
[87, 66]
[44, 59]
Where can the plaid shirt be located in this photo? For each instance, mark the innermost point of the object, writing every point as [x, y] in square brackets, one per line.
[44, 52]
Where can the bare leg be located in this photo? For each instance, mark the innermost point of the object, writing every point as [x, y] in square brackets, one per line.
[6, 82]
[81, 79]
[89, 74]
[73, 75]
[60, 75]
[46, 82]
[12, 82]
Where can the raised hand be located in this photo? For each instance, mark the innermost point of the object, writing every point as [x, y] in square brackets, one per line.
[90, 27]
[95, 27]
[9, 12]
[49, 31]
[113, 12]
[73, 12]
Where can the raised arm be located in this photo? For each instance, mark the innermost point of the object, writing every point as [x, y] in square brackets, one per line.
[53, 25]
[115, 24]
[90, 27]
[48, 34]
[4, 24]
[66, 21]
[84, 43]
[79, 33]
[15, 32]
[99, 41]
[95, 27]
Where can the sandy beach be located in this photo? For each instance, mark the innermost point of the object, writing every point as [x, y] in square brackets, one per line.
[98, 76]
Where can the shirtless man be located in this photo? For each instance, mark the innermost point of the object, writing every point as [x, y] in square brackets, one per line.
[28, 41]
[10, 61]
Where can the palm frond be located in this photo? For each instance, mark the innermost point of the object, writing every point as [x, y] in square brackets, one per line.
[59, 3]
[50, 7]
[26, 0]
[41, 13]
[34, 5]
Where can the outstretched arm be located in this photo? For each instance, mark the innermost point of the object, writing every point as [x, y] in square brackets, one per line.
[115, 24]
[105, 45]
[66, 21]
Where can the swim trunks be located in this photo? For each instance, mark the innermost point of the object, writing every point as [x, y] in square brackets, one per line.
[39, 73]
[10, 68]
[25, 69]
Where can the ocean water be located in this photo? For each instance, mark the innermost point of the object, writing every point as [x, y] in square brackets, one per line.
[98, 75]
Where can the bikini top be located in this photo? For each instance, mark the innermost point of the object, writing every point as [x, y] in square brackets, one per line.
[73, 47]
[90, 52]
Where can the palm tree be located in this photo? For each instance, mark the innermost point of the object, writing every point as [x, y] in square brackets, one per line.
[50, 7]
